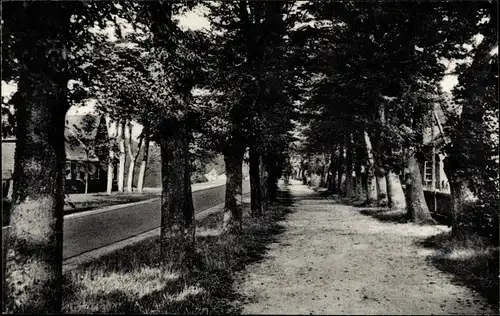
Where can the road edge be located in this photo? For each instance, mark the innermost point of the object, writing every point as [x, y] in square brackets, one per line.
[73, 262]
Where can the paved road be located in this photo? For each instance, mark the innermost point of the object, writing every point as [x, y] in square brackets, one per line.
[85, 233]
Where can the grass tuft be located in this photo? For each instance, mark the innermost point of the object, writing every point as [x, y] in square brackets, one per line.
[131, 280]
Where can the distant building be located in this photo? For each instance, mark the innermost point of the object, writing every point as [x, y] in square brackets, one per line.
[76, 158]
[212, 175]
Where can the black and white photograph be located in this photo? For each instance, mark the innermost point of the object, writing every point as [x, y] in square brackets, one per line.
[250, 157]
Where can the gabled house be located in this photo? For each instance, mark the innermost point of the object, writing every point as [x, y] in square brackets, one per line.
[86, 144]
[77, 156]
[434, 141]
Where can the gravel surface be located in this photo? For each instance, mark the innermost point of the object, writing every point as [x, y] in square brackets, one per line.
[333, 260]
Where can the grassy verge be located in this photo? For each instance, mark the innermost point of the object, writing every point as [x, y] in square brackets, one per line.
[472, 262]
[130, 280]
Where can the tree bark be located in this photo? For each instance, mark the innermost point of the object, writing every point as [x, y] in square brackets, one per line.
[255, 188]
[33, 280]
[332, 178]
[380, 172]
[111, 167]
[122, 157]
[87, 174]
[233, 158]
[272, 181]
[371, 181]
[349, 169]
[264, 189]
[111, 160]
[395, 192]
[340, 168]
[381, 183]
[177, 233]
[418, 211]
[144, 162]
[360, 190]
[133, 158]
[461, 197]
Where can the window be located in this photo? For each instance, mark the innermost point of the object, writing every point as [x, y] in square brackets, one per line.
[428, 171]
[68, 170]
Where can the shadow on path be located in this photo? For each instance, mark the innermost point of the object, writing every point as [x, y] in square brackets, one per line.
[469, 262]
[386, 215]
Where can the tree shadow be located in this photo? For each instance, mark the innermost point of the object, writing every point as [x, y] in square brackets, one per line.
[471, 262]
[385, 215]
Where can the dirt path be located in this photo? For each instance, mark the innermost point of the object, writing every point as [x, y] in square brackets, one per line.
[333, 260]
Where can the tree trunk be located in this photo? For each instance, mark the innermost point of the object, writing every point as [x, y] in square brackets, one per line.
[177, 233]
[272, 182]
[110, 172]
[122, 158]
[87, 175]
[33, 279]
[233, 158]
[130, 176]
[360, 190]
[332, 178]
[468, 140]
[381, 183]
[133, 158]
[395, 192]
[111, 160]
[349, 169]
[264, 190]
[418, 211]
[380, 172]
[461, 198]
[340, 168]
[255, 188]
[370, 172]
[144, 162]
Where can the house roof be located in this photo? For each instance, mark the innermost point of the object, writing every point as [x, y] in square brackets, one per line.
[75, 152]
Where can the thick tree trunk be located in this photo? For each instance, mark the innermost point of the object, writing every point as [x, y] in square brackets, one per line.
[255, 188]
[418, 211]
[33, 279]
[233, 211]
[371, 181]
[122, 157]
[468, 140]
[177, 233]
[461, 198]
[395, 192]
